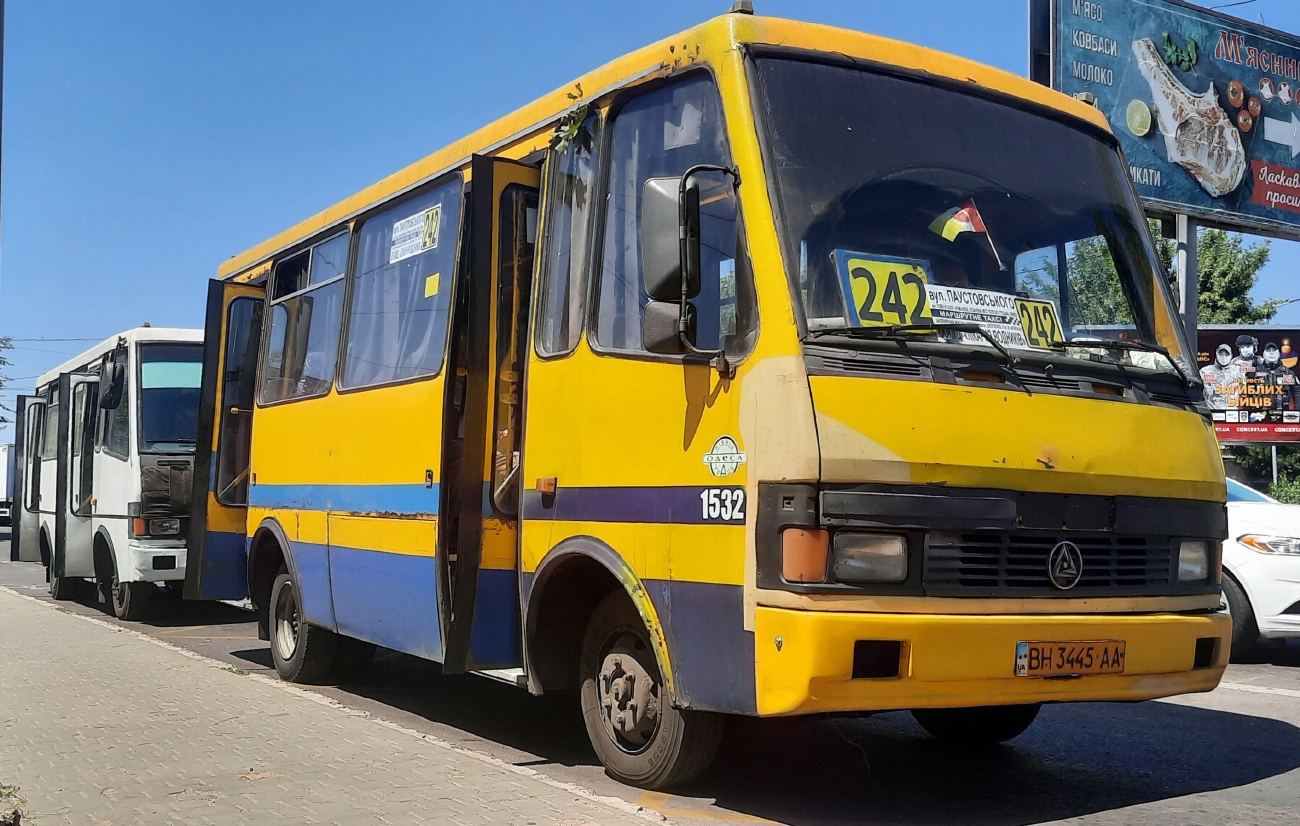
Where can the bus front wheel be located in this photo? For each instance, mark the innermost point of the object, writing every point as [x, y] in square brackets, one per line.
[302, 653]
[638, 735]
[987, 724]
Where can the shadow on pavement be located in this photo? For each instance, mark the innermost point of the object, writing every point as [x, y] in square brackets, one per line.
[1278, 652]
[1076, 760]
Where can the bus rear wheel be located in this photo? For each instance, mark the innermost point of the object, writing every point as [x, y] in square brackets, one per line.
[987, 724]
[639, 736]
[302, 652]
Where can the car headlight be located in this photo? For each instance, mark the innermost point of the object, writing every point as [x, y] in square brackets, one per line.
[1193, 560]
[870, 557]
[1289, 545]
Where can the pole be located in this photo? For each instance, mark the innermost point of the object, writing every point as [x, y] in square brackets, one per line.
[1187, 294]
[1275, 464]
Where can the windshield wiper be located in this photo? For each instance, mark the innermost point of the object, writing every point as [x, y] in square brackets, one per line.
[1115, 344]
[898, 331]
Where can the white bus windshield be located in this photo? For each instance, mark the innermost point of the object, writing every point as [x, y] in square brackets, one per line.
[170, 375]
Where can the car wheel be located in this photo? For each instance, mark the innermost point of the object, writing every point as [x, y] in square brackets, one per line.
[639, 736]
[1245, 630]
[983, 725]
[302, 652]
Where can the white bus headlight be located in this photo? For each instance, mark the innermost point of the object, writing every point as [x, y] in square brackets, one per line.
[1289, 545]
[164, 527]
[1193, 560]
[870, 557]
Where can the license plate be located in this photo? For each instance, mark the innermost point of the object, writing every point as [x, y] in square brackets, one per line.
[1070, 658]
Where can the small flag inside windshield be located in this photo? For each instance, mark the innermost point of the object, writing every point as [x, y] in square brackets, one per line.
[958, 220]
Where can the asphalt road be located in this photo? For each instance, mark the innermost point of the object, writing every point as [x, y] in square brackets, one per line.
[1232, 756]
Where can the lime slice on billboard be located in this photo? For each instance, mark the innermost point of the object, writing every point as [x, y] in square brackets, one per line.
[1139, 118]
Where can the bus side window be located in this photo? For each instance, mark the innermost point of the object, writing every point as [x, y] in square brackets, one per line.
[50, 444]
[401, 293]
[664, 133]
[564, 263]
[305, 319]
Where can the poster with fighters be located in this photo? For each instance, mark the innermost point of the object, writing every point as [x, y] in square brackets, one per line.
[1251, 383]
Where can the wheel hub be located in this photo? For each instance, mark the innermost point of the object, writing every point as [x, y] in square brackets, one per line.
[629, 700]
[286, 623]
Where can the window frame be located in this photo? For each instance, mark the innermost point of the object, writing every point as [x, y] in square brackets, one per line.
[358, 225]
[604, 162]
[104, 445]
[595, 216]
[138, 376]
[752, 52]
[268, 313]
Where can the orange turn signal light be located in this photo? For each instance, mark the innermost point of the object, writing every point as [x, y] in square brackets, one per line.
[803, 554]
[138, 527]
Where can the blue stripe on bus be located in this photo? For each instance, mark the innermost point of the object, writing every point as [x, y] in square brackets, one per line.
[494, 640]
[225, 566]
[647, 505]
[388, 599]
[385, 499]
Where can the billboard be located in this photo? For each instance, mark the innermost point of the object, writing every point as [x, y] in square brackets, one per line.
[1206, 106]
[1251, 383]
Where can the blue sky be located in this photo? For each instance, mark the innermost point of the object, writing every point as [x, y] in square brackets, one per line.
[147, 140]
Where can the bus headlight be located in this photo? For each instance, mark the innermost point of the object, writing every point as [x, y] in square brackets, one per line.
[164, 527]
[1193, 560]
[870, 557]
[1288, 545]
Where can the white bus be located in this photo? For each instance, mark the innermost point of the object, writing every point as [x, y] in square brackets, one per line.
[105, 464]
[6, 482]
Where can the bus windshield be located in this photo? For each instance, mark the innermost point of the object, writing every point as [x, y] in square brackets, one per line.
[170, 375]
[907, 204]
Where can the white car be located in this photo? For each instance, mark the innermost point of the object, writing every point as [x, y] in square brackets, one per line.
[1261, 567]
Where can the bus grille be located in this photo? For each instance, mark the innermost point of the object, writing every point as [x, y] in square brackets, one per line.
[998, 562]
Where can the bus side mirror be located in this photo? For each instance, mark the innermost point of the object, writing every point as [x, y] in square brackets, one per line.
[661, 239]
[112, 377]
[660, 330]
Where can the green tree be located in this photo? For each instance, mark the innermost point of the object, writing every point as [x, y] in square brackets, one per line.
[1227, 269]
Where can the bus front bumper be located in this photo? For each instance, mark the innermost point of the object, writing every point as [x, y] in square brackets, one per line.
[154, 562]
[804, 660]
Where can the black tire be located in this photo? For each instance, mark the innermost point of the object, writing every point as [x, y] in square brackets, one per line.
[302, 653]
[983, 725]
[131, 599]
[669, 746]
[1245, 630]
[64, 587]
[352, 657]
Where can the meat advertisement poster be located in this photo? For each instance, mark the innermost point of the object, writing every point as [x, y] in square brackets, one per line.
[1207, 107]
[1251, 384]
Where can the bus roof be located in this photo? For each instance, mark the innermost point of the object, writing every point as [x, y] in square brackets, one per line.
[528, 128]
[134, 335]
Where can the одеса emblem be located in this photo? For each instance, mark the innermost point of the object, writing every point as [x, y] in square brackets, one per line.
[725, 456]
[1065, 565]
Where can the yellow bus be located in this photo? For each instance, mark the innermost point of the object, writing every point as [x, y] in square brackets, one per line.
[771, 369]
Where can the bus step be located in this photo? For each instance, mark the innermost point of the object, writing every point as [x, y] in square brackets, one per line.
[513, 676]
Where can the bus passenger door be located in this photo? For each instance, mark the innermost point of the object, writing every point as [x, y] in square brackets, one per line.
[73, 535]
[482, 627]
[27, 485]
[216, 554]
